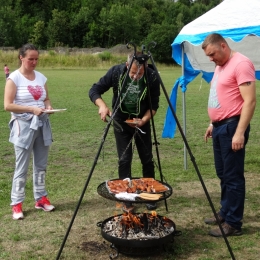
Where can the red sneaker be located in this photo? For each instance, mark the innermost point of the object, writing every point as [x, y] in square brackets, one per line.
[44, 203]
[17, 211]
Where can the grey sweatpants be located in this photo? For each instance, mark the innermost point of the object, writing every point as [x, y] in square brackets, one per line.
[40, 158]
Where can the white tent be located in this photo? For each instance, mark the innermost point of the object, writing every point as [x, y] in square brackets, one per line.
[238, 21]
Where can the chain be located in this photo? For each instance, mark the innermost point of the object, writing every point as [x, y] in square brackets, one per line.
[137, 101]
[125, 94]
[112, 173]
[136, 129]
[155, 163]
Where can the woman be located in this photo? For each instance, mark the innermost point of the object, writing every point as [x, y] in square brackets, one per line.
[26, 97]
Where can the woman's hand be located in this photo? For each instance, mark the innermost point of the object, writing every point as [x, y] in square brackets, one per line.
[37, 110]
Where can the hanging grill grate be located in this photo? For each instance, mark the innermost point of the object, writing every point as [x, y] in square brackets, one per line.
[104, 192]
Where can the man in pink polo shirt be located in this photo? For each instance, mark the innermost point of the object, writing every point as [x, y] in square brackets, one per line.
[231, 106]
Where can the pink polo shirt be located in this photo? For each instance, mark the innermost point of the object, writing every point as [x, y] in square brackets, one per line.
[225, 99]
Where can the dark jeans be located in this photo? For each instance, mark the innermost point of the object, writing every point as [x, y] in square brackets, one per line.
[230, 170]
[144, 147]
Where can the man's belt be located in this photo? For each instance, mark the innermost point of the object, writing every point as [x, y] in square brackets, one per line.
[225, 121]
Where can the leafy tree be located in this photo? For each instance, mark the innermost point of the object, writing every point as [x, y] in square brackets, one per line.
[94, 37]
[23, 28]
[7, 28]
[179, 22]
[197, 10]
[184, 10]
[145, 20]
[163, 34]
[38, 36]
[124, 26]
[187, 2]
[85, 25]
[58, 29]
[103, 23]
[42, 9]
[117, 26]
[213, 3]
[148, 13]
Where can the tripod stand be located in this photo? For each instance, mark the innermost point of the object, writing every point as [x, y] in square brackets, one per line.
[142, 59]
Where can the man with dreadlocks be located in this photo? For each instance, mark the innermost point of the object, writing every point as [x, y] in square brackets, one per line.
[130, 102]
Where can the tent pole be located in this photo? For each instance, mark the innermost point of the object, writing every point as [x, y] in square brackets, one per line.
[184, 112]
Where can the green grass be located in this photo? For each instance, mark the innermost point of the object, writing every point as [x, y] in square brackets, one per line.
[77, 137]
[71, 60]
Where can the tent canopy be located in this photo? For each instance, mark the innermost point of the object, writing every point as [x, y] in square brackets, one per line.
[238, 21]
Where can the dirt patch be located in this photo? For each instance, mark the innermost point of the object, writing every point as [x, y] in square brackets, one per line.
[93, 247]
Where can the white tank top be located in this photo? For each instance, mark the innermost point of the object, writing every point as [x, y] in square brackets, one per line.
[29, 92]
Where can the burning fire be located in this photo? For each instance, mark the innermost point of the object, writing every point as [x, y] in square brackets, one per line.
[154, 213]
[118, 205]
[140, 226]
[130, 220]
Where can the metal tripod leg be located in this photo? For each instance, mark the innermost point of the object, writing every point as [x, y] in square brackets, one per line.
[192, 157]
[84, 189]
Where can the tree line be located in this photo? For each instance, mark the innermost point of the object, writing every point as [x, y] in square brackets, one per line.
[98, 23]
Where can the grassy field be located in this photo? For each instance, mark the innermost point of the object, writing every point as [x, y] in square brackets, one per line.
[77, 137]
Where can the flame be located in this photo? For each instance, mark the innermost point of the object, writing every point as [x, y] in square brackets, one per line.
[154, 213]
[137, 221]
[118, 205]
[130, 220]
[131, 223]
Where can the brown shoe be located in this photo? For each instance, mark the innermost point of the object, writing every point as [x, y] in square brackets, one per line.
[228, 230]
[213, 221]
